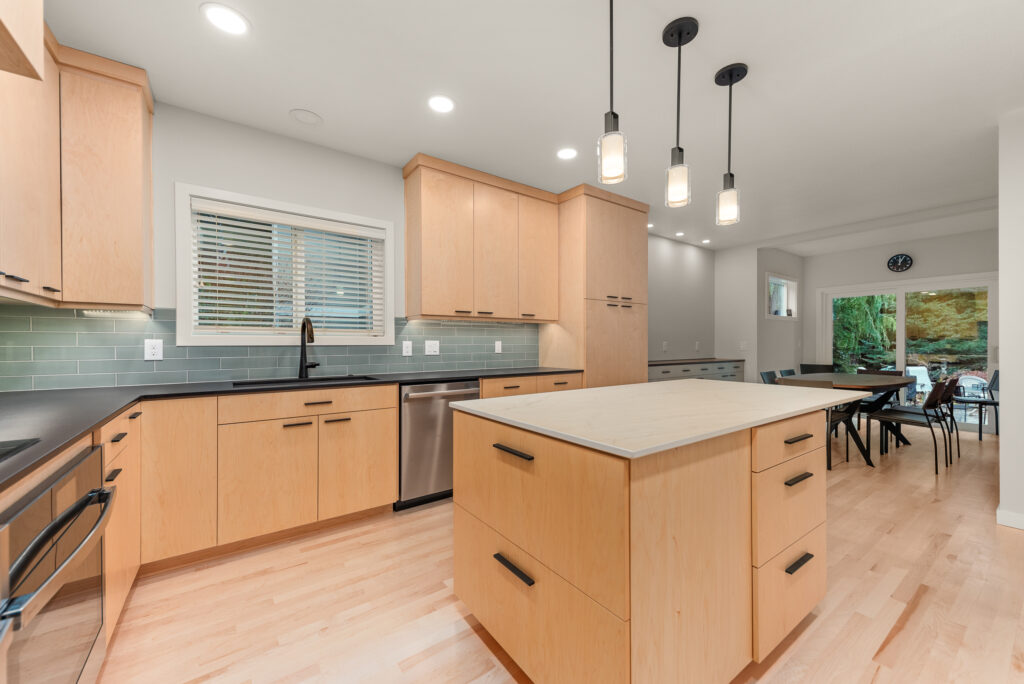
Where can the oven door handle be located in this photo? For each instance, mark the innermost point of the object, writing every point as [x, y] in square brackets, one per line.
[441, 393]
[21, 609]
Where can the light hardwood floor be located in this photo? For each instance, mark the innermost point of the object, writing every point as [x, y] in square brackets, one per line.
[923, 586]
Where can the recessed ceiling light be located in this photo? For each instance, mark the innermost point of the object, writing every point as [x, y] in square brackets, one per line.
[225, 18]
[567, 153]
[680, 234]
[305, 116]
[442, 104]
[705, 242]
[650, 225]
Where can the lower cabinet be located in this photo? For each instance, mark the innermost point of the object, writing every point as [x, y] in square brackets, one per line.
[358, 461]
[122, 538]
[266, 477]
[529, 384]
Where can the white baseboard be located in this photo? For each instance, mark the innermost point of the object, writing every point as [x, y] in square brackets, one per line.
[1010, 518]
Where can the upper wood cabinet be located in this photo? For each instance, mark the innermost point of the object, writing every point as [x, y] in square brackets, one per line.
[478, 246]
[616, 252]
[21, 38]
[30, 239]
[105, 180]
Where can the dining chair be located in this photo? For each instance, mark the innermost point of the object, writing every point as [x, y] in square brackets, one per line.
[768, 377]
[816, 368]
[837, 416]
[786, 373]
[930, 416]
[946, 406]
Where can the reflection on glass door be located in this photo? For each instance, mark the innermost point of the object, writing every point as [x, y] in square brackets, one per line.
[864, 332]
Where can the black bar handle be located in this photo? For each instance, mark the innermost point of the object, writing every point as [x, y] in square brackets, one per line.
[665, 372]
[135, 415]
[798, 479]
[15, 278]
[319, 403]
[512, 386]
[628, 299]
[800, 562]
[612, 296]
[488, 313]
[627, 306]
[563, 382]
[511, 567]
[526, 314]
[610, 304]
[799, 438]
[288, 425]
[337, 420]
[462, 311]
[47, 288]
[118, 437]
[515, 452]
[113, 475]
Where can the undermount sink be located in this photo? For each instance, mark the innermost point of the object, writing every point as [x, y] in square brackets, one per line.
[303, 381]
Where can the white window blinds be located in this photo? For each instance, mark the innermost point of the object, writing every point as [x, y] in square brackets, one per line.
[259, 272]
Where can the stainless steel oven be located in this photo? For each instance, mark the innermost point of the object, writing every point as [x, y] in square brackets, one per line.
[51, 595]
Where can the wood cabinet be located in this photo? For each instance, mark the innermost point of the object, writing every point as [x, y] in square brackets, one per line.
[21, 38]
[179, 477]
[616, 251]
[358, 463]
[105, 179]
[559, 383]
[266, 477]
[478, 246]
[30, 220]
[122, 539]
[616, 343]
[507, 387]
[237, 408]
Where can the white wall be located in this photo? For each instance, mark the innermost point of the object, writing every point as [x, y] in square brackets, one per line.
[778, 340]
[1011, 320]
[736, 307]
[973, 252]
[193, 148]
[681, 309]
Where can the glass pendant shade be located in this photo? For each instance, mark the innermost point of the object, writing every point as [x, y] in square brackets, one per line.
[728, 207]
[611, 158]
[677, 181]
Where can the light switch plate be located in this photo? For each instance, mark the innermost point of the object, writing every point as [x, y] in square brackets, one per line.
[664, 345]
[153, 350]
[407, 348]
[696, 345]
[432, 348]
[497, 346]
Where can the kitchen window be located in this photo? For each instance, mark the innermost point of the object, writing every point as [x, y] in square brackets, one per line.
[782, 297]
[249, 270]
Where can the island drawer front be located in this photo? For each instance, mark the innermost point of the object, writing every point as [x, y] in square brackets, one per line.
[553, 631]
[567, 506]
[507, 387]
[782, 440]
[788, 502]
[559, 383]
[782, 599]
[243, 408]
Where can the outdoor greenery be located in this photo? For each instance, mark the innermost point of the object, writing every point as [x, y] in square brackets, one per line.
[863, 332]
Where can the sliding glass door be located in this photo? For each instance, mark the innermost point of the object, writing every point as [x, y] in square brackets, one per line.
[864, 332]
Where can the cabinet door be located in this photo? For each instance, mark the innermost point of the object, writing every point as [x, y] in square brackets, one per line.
[30, 246]
[179, 477]
[495, 246]
[538, 259]
[633, 259]
[632, 344]
[604, 250]
[102, 167]
[446, 244]
[266, 477]
[122, 537]
[358, 461]
[602, 347]
[21, 38]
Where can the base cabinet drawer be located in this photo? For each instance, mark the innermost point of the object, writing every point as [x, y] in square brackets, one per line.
[553, 631]
[358, 461]
[782, 440]
[238, 408]
[786, 589]
[788, 502]
[507, 387]
[559, 383]
[266, 477]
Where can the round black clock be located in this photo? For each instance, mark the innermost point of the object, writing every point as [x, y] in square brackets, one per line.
[898, 263]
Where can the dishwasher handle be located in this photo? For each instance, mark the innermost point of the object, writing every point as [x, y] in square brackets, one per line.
[442, 393]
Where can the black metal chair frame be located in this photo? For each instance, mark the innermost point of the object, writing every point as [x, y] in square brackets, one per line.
[931, 414]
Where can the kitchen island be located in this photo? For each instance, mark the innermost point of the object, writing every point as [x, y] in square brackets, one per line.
[662, 532]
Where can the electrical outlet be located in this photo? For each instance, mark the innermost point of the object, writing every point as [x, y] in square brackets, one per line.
[407, 348]
[153, 350]
[497, 346]
[432, 348]
[664, 346]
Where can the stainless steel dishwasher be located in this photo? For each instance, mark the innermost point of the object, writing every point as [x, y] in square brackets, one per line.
[425, 460]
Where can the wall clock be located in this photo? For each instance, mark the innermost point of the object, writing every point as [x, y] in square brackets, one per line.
[898, 263]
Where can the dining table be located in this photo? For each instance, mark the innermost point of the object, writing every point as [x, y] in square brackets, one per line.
[882, 388]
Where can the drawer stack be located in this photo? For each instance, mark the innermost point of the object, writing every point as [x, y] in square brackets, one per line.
[788, 525]
[542, 550]
[710, 370]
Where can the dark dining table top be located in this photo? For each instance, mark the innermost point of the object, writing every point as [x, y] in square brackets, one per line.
[854, 381]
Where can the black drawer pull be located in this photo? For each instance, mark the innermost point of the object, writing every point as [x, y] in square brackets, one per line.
[288, 425]
[319, 403]
[798, 479]
[612, 296]
[610, 304]
[510, 566]
[118, 437]
[665, 372]
[563, 382]
[800, 562]
[486, 313]
[462, 311]
[526, 314]
[799, 438]
[628, 299]
[512, 386]
[338, 420]
[135, 415]
[47, 288]
[514, 452]
[15, 278]
[112, 475]
[627, 306]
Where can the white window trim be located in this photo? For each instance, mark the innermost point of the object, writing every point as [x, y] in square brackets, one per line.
[767, 308]
[185, 337]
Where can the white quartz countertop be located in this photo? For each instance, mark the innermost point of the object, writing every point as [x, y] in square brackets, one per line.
[637, 420]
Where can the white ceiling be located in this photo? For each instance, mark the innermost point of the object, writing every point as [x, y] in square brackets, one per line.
[853, 110]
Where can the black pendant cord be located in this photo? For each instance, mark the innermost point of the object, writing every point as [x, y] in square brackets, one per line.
[611, 56]
[728, 162]
[679, 86]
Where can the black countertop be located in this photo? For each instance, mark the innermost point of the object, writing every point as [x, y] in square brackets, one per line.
[57, 418]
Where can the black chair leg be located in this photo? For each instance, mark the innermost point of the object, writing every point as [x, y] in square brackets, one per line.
[997, 420]
[956, 428]
[935, 446]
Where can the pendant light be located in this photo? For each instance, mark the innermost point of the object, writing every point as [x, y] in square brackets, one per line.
[727, 208]
[611, 147]
[677, 177]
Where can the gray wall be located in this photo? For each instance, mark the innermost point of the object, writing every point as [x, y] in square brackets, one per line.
[681, 310]
[778, 340]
